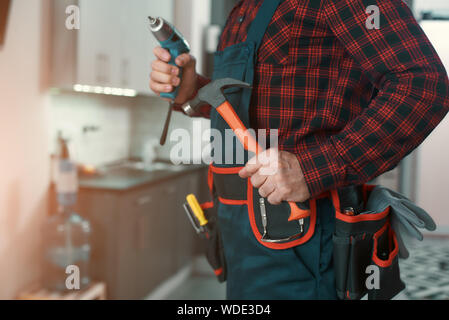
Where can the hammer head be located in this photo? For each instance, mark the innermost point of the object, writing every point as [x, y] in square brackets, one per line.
[212, 94]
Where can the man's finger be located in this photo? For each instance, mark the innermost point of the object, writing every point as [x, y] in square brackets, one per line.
[257, 180]
[161, 66]
[253, 165]
[162, 54]
[184, 60]
[267, 188]
[275, 198]
[249, 170]
[160, 87]
[165, 78]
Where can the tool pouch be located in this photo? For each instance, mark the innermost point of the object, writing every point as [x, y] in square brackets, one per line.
[233, 190]
[213, 243]
[365, 254]
[278, 225]
[212, 240]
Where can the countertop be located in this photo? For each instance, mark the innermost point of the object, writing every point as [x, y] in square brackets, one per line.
[126, 179]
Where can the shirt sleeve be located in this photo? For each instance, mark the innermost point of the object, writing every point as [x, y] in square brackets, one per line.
[412, 95]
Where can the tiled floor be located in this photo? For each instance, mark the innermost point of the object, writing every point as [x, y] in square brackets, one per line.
[202, 285]
[426, 274]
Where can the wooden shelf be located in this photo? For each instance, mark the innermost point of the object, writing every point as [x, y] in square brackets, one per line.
[96, 291]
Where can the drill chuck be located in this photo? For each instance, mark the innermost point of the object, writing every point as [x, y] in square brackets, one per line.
[161, 29]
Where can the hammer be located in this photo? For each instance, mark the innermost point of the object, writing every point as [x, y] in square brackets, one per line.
[213, 94]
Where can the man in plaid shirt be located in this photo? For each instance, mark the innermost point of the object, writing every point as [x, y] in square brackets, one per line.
[349, 101]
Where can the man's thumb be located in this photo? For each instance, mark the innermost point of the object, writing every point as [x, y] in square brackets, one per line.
[184, 60]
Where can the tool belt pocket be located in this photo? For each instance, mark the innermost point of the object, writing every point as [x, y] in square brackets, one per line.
[212, 242]
[270, 224]
[385, 257]
[365, 253]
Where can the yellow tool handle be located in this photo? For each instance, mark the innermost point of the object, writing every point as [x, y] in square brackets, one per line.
[196, 209]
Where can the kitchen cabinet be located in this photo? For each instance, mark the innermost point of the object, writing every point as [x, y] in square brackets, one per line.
[183, 226]
[155, 234]
[113, 48]
[140, 237]
[138, 42]
[99, 43]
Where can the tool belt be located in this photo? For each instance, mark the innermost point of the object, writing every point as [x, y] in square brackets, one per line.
[361, 239]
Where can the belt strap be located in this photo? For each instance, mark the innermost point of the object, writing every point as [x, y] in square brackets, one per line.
[228, 185]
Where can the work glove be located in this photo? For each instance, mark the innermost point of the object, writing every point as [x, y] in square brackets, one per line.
[406, 217]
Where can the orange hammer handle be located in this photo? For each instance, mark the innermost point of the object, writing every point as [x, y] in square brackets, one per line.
[297, 213]
[229, 115]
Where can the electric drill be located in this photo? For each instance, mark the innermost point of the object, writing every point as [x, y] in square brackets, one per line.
[172, 40]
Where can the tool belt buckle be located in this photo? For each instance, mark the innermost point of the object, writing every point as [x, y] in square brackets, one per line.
[265, 236]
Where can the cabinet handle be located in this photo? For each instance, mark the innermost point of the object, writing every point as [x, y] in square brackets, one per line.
[125, 73]
[141, 234]
[144, 200]
[102, 67]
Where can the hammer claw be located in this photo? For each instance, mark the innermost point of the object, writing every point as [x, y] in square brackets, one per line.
[213, 94]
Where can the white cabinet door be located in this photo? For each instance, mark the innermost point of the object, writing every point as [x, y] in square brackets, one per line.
[137, 41]
[99, 45]
[115, 45]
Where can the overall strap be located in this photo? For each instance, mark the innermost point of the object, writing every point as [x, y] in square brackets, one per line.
[262, 21]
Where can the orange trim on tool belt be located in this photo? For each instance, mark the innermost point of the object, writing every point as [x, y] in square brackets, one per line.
[207, 205]
[279, 246]
[359, 218]
[218, 271]
[392, 255]
[362, 217]
[230, 170]
[231, 202]
[210, 179]
[336, 199]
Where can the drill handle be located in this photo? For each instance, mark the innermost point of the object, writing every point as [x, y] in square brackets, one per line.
[176, 49]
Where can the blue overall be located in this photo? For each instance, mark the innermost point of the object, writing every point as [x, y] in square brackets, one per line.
[253, 270]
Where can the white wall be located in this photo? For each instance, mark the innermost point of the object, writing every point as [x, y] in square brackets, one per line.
[433, 175]
[24, 160]
[148, 118]
[187, 11]
[71, 112]
[125, 126]
[420, 5]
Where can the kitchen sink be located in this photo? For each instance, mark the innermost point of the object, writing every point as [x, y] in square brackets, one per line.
[156, 166]
[160, 166]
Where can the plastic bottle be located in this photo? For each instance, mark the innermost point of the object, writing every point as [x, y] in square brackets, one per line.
[66, 233]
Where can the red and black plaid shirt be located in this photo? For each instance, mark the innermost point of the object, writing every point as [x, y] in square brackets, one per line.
[349, 101]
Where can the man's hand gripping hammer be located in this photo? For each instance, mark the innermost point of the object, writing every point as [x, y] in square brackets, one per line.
[213, 95]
